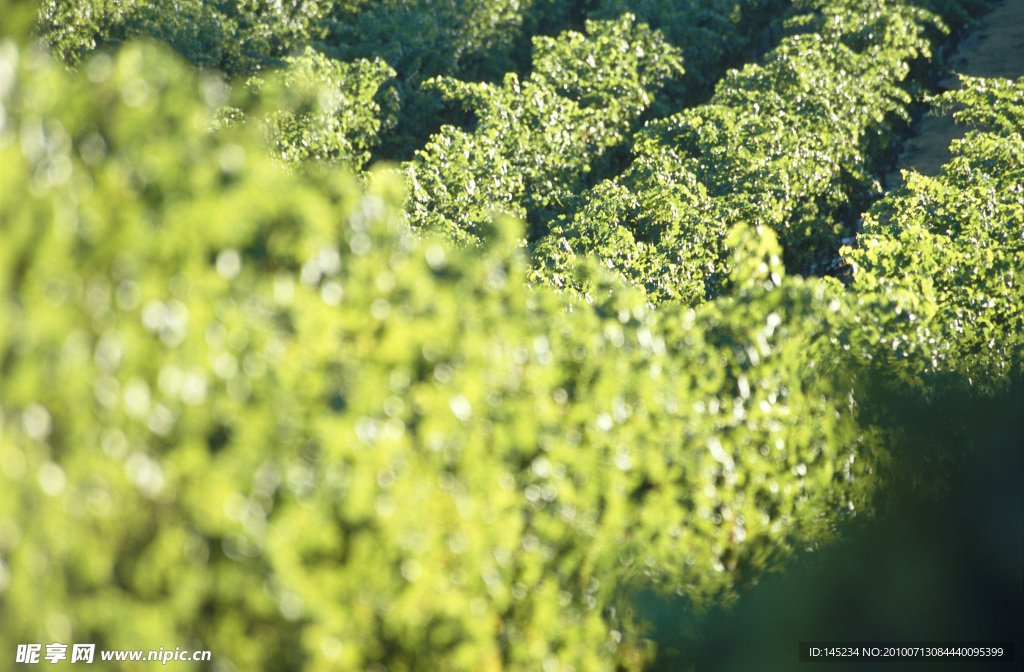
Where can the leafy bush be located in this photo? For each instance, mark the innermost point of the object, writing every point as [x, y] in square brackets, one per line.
[324, 110]
[789, 144]
[417, 39]
[957, 240]
[540, 138]
[236, 36]
[475, 40]
[712, 34]
[247, 410]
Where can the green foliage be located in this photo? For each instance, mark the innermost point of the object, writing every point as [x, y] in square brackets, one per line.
[536, 141]
[712, 34]
[113, 201]
[18, 16]
[655, 225]
[324, 110]
[483, 41]
[789, 144]
[956, 13]
[236, 36]
[246, 409]
[957, 241]
[470, 39]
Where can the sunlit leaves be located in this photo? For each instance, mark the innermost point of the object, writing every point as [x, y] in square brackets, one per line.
[957, 241]
[355, 447]
[789, 144]
[236, 36]
[251, 408]
[535, 141]
[321, 109]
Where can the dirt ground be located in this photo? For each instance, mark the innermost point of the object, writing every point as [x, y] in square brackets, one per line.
[994, 47]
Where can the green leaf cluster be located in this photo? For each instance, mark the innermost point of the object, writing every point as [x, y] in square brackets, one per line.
[956, 240]
[789, 144]
[469, 40]
[535, 141]
[235, 36]
[712, 34]
[246, 407]
[246, 410]
[319, 109]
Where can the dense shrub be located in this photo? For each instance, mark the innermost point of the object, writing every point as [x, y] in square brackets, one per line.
[789, 144]
[236, 36]
[319, 109]
[957, 240]
[712, 34]
[247, 410]
[475, 40]
[468, 40]
[537, 139]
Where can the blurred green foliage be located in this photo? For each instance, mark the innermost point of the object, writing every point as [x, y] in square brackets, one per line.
[235, 36]
[246, 408]
[944, 568]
